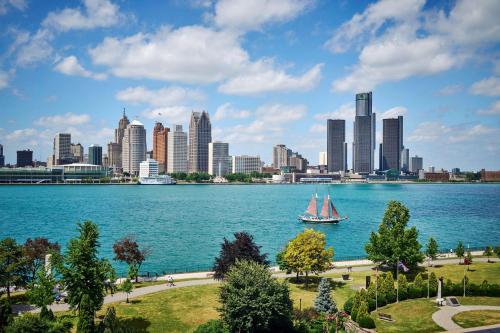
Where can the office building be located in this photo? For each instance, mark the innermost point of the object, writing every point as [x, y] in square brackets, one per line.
[416, 164]
[115, 148]
[24, 158]
[148, 168]
[200, 135]
[336, 147]
[363, 147]
[160, 146]
[2, 157]
[298, 163]
[133, 147]
[77, 152]
[405, 160]
[95, 155]
[177, 150]
[246, 164]
[322, 158]
[392, 143]
[105, 160]
[281, 156]
[62, 149]
[219, 162]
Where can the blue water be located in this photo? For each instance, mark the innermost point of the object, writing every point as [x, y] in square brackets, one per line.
[185, 224]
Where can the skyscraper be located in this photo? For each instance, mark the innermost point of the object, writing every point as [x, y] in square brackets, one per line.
[95, 155]
[219, 162]
[77, 151]
[281, 156]
[392, 143]
[336, 147]
[405, 160]
[363, 146]
[416, 163]
[297, 162]
[133, 147]
[246, 164]
[115, 148]
[323, 158]
[177, 150]
[2, 157]
[160, 146]
[200, 135]
[24, 158]
[62, 149]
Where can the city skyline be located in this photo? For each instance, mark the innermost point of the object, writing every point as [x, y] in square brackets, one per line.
[289, 72]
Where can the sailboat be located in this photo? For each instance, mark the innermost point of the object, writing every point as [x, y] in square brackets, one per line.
[326, 215]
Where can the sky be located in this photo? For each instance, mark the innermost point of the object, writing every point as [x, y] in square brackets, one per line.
[267, 72]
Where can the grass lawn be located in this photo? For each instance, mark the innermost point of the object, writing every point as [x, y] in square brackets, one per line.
[479, 300]
[410, 316]
[300, 294]
[477, 318]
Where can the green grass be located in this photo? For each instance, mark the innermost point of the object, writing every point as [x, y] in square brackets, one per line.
[477, 318]
[410, 316]
[479, 300]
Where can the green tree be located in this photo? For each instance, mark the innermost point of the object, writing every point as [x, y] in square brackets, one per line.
[402, 286]
[282, 264]
[419, 281]
[497, 251]
[12, 265]
[468, 258]
[431, 249]
[127, 287]
[433, 284]
[362, 310]
[34, 252]
[394, 241]
[41, 292]
[85, 275]
[307, 253]
[488, 252]
[253, 301]
[324, 302]
[460, 250]
[33, 323]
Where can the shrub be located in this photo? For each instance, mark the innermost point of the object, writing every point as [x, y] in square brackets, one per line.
[381, 299]
[5, 313]
[419, 281]
[414, 291]
[33, 323]
[433, 284]
[366, 322]
[211, 326]
[348, 305]
[306, 314]
[362, 311]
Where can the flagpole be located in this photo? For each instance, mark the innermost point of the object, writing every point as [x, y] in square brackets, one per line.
[376, 289]
[428, 275]
[397, 282]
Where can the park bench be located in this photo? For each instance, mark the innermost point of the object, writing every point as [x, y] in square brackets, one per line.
[385, 317]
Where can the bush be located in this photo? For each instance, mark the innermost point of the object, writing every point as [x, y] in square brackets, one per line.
[414, 292]
[211, 326]
[381, 299]
[32, 323]
[366, 322]
[348, 305]
[5, 313]
[306, 314]
[362, 311]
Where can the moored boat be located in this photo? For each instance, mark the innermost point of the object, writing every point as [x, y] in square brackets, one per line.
[327, 215]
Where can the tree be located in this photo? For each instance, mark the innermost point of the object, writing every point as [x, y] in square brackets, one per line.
[282, 264]
[307, 253]
[488, 251]
[35, 250]
[85, 275]
[362, 311]
[431, 249]
[12, 265]
[394, 241]
[127, 287]
[127, 250]
[242, 248]
[468, 259]
[41, 292]
[253, 301]
[324, 302]
[497, 251]
[460, 250]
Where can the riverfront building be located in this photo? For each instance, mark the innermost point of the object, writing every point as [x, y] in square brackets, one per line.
[298, 163]
[115, 148]
[62, 149]
[246, 164]
[336, 150]
[148, 168]
[77, 151]
[95, 155]
[177, 150]
[160, 146]
[323, 158]
[219, 162]
[405, 160]
[133, 147]
[2, 157]
[363, 147]
[281, 156]
[24, 158]
[416, 164]
[200, 135]
[392, 143]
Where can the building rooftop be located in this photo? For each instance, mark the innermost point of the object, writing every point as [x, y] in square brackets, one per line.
[136, 123]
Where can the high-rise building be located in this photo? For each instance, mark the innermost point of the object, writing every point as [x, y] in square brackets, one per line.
[160, 146]
[323, 158]
[336, 147]
[363, 146]
[24, 158]
[177, 160]
[405, 160]
[133, 147]
[219, 162]
[392, 143]
[2, 157]
[115, 148]
[298, 163]
[62, 149]
[246, 164]
[95, 155]
[105, 160]
[416, 164]
[77, 151]
[200, 135]
[281, 156]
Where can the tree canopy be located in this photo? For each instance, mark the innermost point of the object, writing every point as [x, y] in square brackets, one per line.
[35, 250]
[460, 250]
[324, 302]
[431, 249]
[127, 250]
[242, 248]
[394, 241]
[12, 265]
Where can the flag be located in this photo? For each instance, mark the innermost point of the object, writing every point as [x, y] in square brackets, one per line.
[403, 267]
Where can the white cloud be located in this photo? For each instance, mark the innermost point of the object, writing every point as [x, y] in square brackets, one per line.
[96, 14]
[450, 90]
[393, 112]
[440, 133]
[428, 131]
[247, 15]
[280, 113]
[21, 133]
[4, 79]
[317, 128]
[493, 110]
[262, 77]
[71, 66]
[32, 48]
[6, 5]
[161, 97]
[487, 87]
[346, 111]
[470, 133]
[68, 119]
[170, 114]
[228, 111]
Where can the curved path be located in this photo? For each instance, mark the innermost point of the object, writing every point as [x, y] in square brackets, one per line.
[443, 316]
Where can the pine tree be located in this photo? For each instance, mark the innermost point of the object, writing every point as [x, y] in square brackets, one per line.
[85, 316]
[324, 301]
[362, 311]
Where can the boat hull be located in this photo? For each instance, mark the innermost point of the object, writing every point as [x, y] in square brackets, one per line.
[320, 220]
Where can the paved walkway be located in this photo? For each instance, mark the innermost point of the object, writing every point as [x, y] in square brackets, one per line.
[443, 316]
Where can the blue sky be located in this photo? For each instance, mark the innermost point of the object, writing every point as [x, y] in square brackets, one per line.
[268, 72]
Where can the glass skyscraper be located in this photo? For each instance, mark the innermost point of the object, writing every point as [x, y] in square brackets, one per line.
[363, 147]
[392, 143]
[200, 135]
[336, 147]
